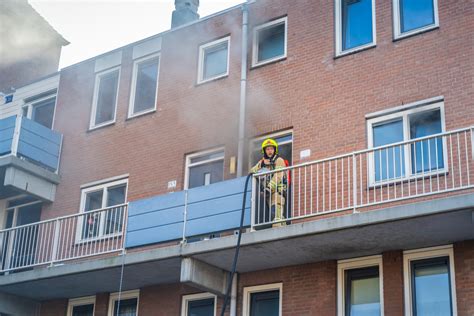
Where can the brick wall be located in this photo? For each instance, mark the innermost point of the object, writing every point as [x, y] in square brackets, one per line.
[54, 308]
[393, 283]
[464, 268]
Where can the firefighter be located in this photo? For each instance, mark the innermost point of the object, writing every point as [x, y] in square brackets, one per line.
[272, 186]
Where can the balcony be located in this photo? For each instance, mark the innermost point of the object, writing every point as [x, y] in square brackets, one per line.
[357, 204]
[29, 158]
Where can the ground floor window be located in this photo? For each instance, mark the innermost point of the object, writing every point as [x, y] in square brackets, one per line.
[360, 287]
[429, 282]
[125, 305]
[263, 300]
[83, 306]
[202, 304]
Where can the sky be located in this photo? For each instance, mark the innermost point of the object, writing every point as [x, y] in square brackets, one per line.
[94, 27]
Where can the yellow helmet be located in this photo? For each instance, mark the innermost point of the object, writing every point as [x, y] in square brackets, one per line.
[269, 142]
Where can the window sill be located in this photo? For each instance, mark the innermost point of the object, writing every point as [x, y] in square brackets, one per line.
[139, 114]
[94, 128]
[355, 50]
[415, 32]
[268, 62]
[425, 176]
[200, 83]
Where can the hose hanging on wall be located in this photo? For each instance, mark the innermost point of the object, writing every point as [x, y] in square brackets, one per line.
[237, 249]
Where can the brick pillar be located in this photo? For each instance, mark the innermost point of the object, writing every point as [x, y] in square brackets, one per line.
[464, 268]
[101, 304]
[393, 283]
[54, 308]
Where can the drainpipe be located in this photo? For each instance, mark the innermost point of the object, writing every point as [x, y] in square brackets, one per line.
[243, 89]
[233, 296]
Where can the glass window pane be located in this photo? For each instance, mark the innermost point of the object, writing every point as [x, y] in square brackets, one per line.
[215, 61]
[416, 14]
[219, 154]
[22, 200]
[201, 307]
[356, 23]
[145, 91]
[107, 97]
[426, 155]
[363, 292]
[93, 201]
[431, 287]
[271, 42]
[389, 163]
[91, 222]
[83, 310]
[43, 112]
[114, 216]
[265, 303]
[197, 174]
[285, 151]
[126, 308]
[116, 195]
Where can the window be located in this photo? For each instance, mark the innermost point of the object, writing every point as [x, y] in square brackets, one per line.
[83, 306]
[429, 282]
[202, 304]
[263, 300]
[99, 222]
[355, 25]
[285, 146]
[105, 98]
[204, 168]
[269, 42]
[127, 306]
[41, 110]
[360, 291]
[214, 60]
[414, 16]
[144, 85]
[417, 158]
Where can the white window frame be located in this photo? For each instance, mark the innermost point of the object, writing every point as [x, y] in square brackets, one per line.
[84, 191]
[256, 37]
[197, 154]
[260, 288]
[30, 105]
[79, 302]
[123, 296]
[397, 24]
[202, 51]
[274, 136]
[427, 253]
[338, 31]
[98, 76]
[405, 116]
[196, 297]
[133, 89]
[356, 263]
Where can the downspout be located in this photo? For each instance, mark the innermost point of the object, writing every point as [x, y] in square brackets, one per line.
[243, 89]
[233, 296]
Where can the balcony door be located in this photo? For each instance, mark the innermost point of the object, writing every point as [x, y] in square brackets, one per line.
[18, 246]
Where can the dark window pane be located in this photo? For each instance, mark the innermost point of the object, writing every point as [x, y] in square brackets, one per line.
[426, 155]
[22, 200]
[114, 216]
[107, 96]
[126, 308]
[91, 222]
[43, 112]
[215, 61]
[362, 292]
[145, 92]
[271, 42]
[219, 154]
[93, 201]
[389, 162]
[83, 310]
[284, 151]
[431, 287]
[116, 195]
[356, 23]
[201, 307]
[416, 14]
[265, 303]
[197, 174]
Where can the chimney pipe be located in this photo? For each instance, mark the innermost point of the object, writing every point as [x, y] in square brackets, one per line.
[185, 12]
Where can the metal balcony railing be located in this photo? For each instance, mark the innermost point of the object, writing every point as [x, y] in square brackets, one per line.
[420, 167]
[65, 238]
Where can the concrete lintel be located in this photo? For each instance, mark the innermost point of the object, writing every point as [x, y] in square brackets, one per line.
[204, 276]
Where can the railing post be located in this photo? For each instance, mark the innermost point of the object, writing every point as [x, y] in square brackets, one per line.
[472, 142]
[16, 135]
[354, 182]
[253, 203]
[185, 216]
[54, 253]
